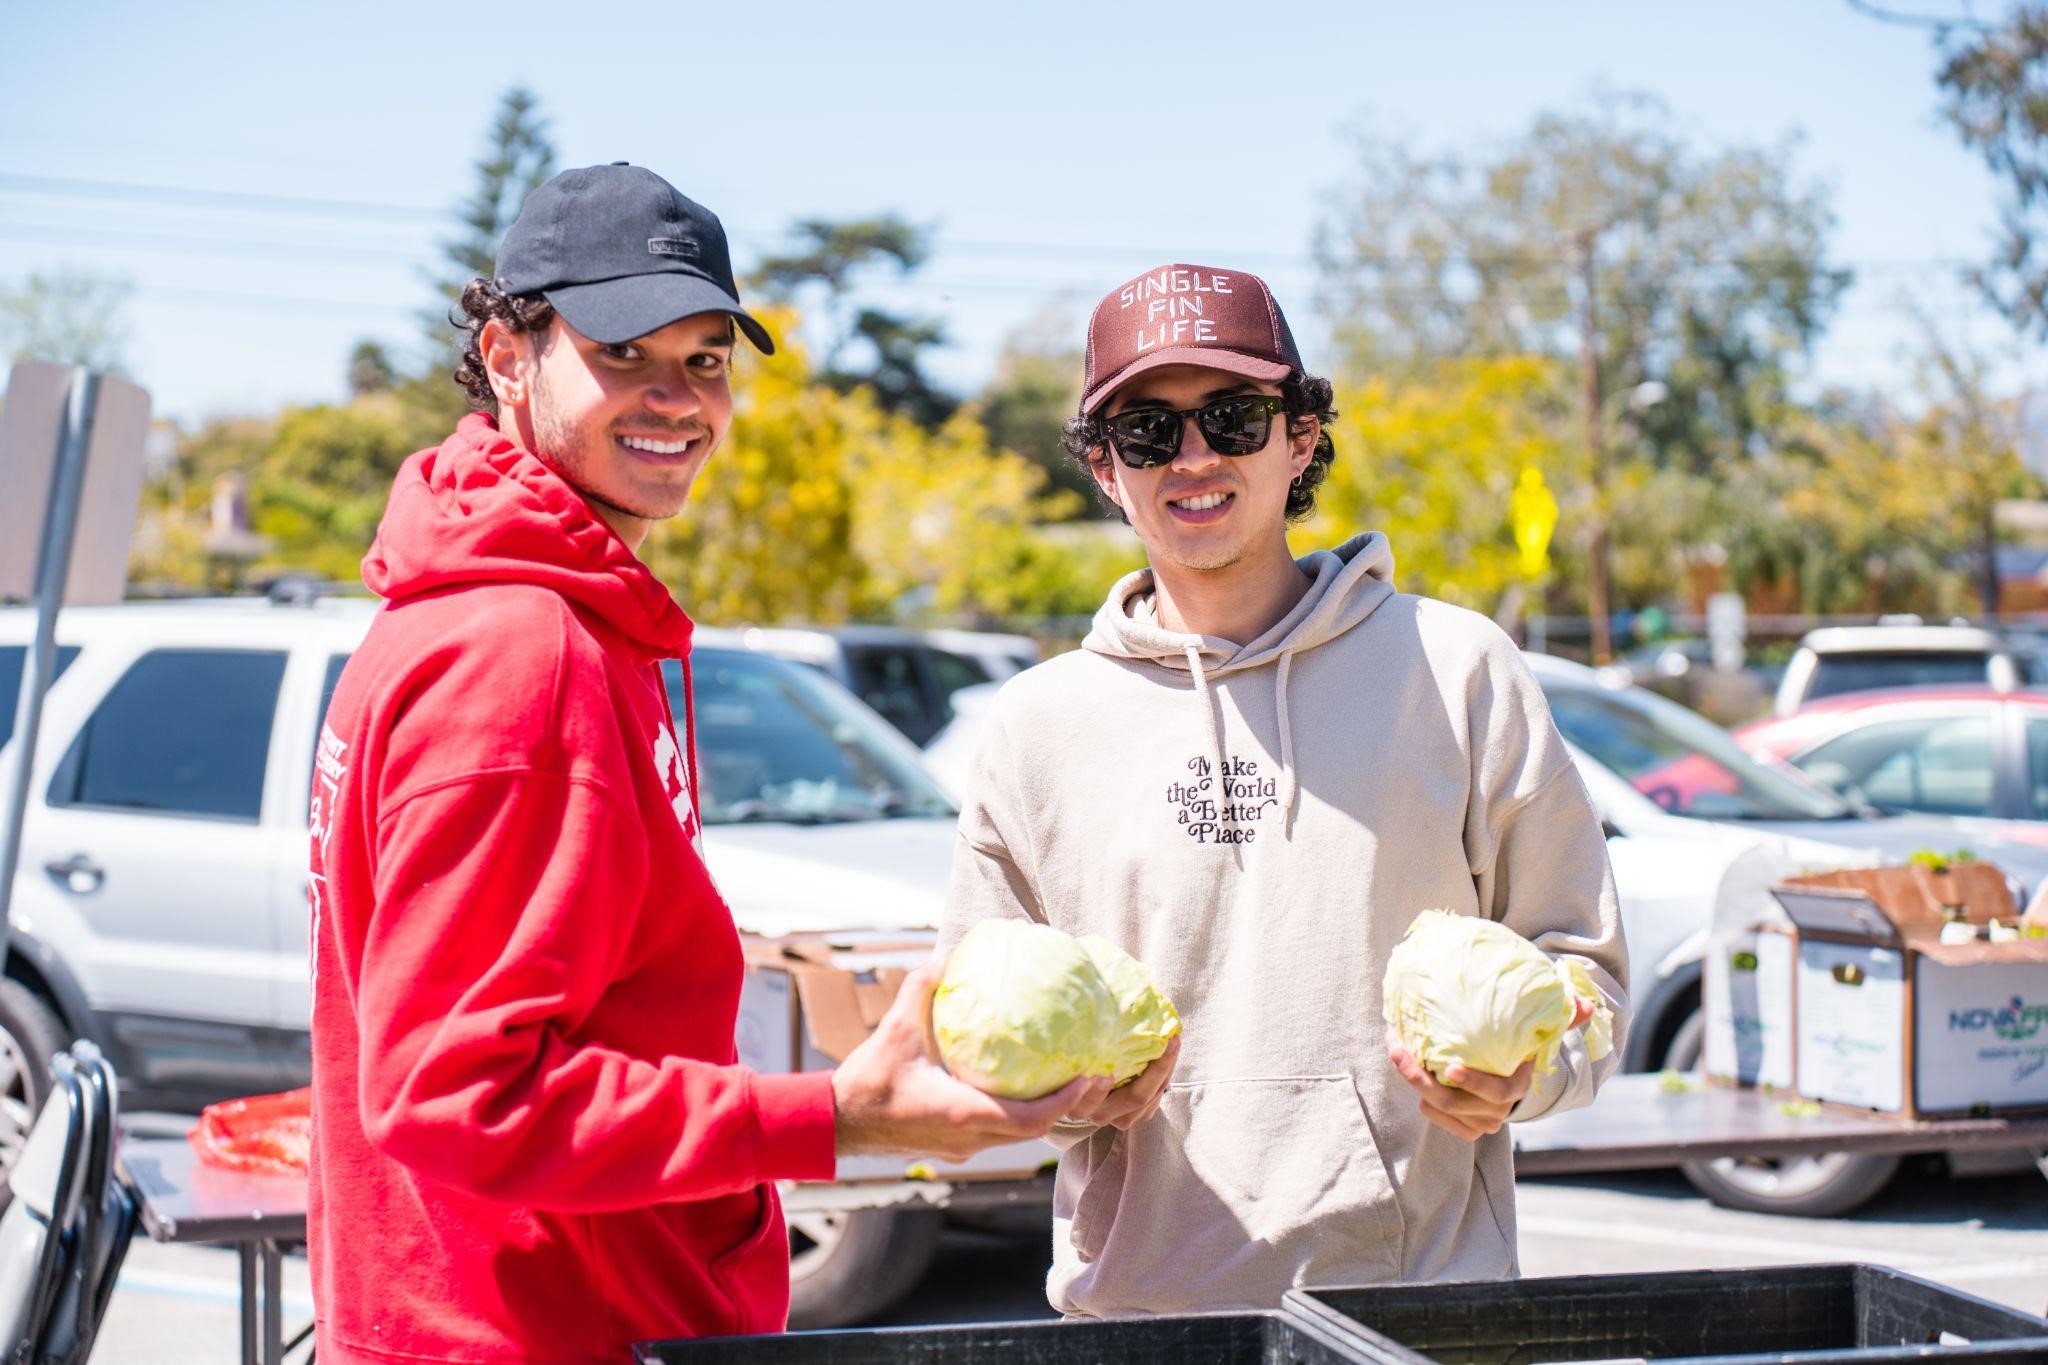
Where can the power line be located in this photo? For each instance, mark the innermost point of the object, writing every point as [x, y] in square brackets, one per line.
[289, 203]
[1935, 23]
[42, 184]
[317, 253]
[277, 303]
[323, 253]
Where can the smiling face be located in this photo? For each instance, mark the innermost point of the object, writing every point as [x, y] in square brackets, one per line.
[627, 425]
[1205, 512]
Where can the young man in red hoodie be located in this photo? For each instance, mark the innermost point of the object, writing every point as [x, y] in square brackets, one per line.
[532, 1141]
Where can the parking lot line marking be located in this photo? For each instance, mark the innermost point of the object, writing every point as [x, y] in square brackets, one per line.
[1777, 1248]
[167, 1284]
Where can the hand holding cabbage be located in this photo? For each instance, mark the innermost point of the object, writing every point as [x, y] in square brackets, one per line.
[1022, 1009]
[1474, 1009]
[892, 1096]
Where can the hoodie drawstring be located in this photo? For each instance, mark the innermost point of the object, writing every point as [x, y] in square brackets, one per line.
[1290, 781]
[1215, 725]
[1209, 705]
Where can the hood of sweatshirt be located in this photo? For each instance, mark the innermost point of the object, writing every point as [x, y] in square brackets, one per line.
[1346, 585]
[480, 509]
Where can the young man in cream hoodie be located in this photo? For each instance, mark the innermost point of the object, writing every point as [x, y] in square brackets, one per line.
[1253, 776]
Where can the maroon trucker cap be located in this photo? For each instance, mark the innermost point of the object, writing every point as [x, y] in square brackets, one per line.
[1186, 315]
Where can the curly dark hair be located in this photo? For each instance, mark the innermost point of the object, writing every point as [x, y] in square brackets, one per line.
[482, 301]
[1086, 438]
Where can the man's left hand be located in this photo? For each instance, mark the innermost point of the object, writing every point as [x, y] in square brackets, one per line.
[1467, 1103]
[1132, 1104]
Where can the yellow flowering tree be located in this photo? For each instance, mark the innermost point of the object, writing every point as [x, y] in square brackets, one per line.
[822, 507]
[1432, 459]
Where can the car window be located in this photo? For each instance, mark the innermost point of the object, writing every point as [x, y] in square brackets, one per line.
[327, 686]
[2037, 767]
[1940, 765]
[13, 663]
[887, 679]
[777, 742]
[1834, 674]
[184, 732]
[950, 673]
[1682, 761]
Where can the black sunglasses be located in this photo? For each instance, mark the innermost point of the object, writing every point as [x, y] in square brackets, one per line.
[1232, 426]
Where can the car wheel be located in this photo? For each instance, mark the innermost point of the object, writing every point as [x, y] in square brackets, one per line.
[1687, 1044]
[1808, 1186]
[30, 1036]
[845, 1268]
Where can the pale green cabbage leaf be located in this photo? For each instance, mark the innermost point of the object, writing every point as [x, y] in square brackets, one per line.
[1023, 1008]
[1146, 1019]
[1462, 990]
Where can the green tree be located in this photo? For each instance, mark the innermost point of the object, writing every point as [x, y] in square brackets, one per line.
[68, 317]
[1702, 271]
[1035, 388]
[1973, 436]
[1431, 458]
[370, 369]
[866, 346]
[822, 506]
[317, 481]
[1604, 240]
[1994, 79]
[518, 158]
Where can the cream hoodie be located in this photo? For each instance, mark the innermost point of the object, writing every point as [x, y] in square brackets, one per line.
[1259, 825]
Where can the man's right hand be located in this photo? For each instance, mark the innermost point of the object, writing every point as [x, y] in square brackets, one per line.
[891, 1095]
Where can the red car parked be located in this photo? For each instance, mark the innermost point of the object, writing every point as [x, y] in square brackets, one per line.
[1971, 751]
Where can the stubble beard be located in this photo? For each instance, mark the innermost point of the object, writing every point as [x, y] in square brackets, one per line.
[566, 449]
[1214, 562]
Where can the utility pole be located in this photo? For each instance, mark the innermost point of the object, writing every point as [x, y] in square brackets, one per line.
[1987, 582]
[1596, 445]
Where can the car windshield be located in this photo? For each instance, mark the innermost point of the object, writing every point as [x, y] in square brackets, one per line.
[1682, 761]
[777, 742]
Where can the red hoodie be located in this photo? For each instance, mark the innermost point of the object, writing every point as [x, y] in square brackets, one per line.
[531, 1138]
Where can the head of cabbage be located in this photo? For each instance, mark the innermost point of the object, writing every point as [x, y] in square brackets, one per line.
[1022, 1009]
[1464, 990]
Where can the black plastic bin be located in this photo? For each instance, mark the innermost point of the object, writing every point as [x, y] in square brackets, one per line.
[1814, 1314]
[1192, 1339]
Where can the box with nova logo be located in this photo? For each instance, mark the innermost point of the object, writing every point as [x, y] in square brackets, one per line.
[1888, 1017]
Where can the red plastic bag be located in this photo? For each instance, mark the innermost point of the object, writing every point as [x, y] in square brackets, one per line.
[263, 1134]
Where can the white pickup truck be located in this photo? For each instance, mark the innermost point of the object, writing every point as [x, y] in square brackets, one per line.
[160, 904]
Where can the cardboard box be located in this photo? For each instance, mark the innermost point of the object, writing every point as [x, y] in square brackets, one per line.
[1749, 1014]
[810, 999]
[1889, 1018]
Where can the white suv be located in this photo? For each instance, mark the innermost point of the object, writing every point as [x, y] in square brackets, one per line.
[160, 904]
[1838, 659]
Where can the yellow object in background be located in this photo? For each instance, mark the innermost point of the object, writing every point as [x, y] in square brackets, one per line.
[1532, 512]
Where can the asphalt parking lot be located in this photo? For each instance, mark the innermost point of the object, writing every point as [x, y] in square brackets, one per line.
[1987, 1236]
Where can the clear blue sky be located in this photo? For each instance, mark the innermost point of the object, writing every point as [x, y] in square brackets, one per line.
[1057, 147]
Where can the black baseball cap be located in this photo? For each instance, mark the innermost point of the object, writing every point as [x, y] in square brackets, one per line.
[620, 253]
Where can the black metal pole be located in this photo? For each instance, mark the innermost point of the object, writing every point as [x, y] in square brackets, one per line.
[53, 568]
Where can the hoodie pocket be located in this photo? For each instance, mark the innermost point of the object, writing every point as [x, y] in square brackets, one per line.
[1102, 1186]
[1234, 1192]
[743, 1269]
